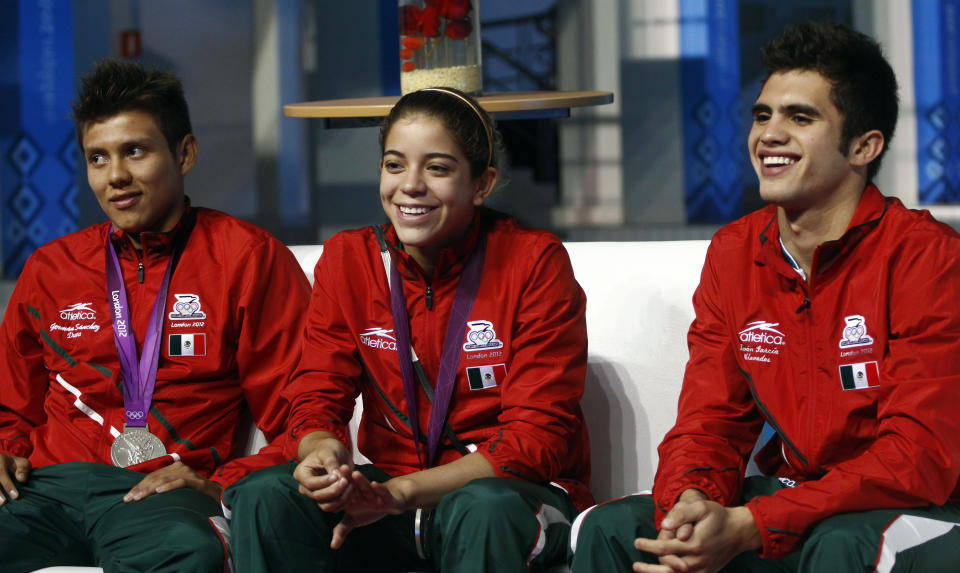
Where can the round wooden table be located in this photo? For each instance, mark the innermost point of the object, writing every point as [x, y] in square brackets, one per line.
[506, 105]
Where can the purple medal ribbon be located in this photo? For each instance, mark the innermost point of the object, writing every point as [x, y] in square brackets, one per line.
[452, 347]
[139, 374]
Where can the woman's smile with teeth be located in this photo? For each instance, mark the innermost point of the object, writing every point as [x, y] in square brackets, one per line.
[414, 210]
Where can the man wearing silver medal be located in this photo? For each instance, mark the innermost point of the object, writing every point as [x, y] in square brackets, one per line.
[133, 351]
[135, 446]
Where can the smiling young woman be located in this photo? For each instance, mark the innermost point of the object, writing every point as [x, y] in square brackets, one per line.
[430, 189]
[465, 334]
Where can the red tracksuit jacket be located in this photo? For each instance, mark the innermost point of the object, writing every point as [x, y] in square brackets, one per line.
[858, 371]
[526, 421]
[60, 394]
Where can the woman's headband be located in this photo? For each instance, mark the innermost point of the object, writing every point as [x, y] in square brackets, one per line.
[486, 127]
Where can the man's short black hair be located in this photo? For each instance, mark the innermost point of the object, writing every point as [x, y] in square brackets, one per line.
[864, 86]
[116, 86]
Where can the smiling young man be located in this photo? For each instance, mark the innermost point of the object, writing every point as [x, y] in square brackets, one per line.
[831, 315]
[134, 350]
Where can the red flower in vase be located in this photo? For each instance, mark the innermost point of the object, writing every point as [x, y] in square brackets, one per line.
[455, 9]
[412, 42]
[410, 16]
[430, 22]
[458, 29]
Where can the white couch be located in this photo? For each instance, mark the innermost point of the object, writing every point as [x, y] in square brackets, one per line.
[638, 311]
[639, 307]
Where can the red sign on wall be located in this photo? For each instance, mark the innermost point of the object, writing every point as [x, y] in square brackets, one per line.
[130, 43]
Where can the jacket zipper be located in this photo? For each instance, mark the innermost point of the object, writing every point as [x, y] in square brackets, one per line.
[429, 295]
[808, 427]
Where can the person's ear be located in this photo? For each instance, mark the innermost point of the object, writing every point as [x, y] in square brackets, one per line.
[866, 148]
[187, 153]
[484, 185]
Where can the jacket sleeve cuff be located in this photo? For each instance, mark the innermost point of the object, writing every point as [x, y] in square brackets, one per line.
[666, 498]
[232, 471]
[776, 542]
[19, 447]
[291, 445]
[501, 470]
[505, 466]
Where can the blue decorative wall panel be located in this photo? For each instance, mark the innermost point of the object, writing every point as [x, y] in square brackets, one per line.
[713, 139]
[936, 53]
[38, 151]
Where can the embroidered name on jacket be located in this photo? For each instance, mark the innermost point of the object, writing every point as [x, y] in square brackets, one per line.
[75, 313]
[760, 340]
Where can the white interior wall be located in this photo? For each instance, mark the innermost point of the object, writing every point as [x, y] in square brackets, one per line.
[591, 170]
[890, 24]
[209, 46]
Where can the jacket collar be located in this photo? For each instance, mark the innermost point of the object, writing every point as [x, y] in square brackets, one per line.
[154, 244]
[868, 214]
[451, 259]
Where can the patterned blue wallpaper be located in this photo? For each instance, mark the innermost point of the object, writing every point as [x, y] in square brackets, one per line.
[38, 150]
[936, 54]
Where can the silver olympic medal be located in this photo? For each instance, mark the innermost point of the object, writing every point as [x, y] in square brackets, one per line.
[135, 446]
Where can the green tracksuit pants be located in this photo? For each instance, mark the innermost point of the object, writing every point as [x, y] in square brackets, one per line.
[73, 514]
[904, 540]
[491, 524]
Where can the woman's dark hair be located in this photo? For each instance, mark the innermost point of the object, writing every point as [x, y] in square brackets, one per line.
[116, 86]
[468, 123]
[864, 86]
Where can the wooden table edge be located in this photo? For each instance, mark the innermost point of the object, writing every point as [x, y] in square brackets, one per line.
[493, 102]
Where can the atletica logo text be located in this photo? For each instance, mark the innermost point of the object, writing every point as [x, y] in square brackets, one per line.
[79, 311]
[378, 338]
[760, 340]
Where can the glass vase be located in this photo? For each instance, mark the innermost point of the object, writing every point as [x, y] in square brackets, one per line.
[440, 45]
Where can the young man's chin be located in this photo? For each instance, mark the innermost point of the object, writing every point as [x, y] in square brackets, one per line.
[128, 226]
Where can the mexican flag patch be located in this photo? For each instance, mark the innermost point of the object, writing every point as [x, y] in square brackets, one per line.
[859, 376]
[482, 377]
[188, 345]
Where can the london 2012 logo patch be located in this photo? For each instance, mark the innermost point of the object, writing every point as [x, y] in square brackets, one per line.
[482, 336]
[855, 332]
[187, 307]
